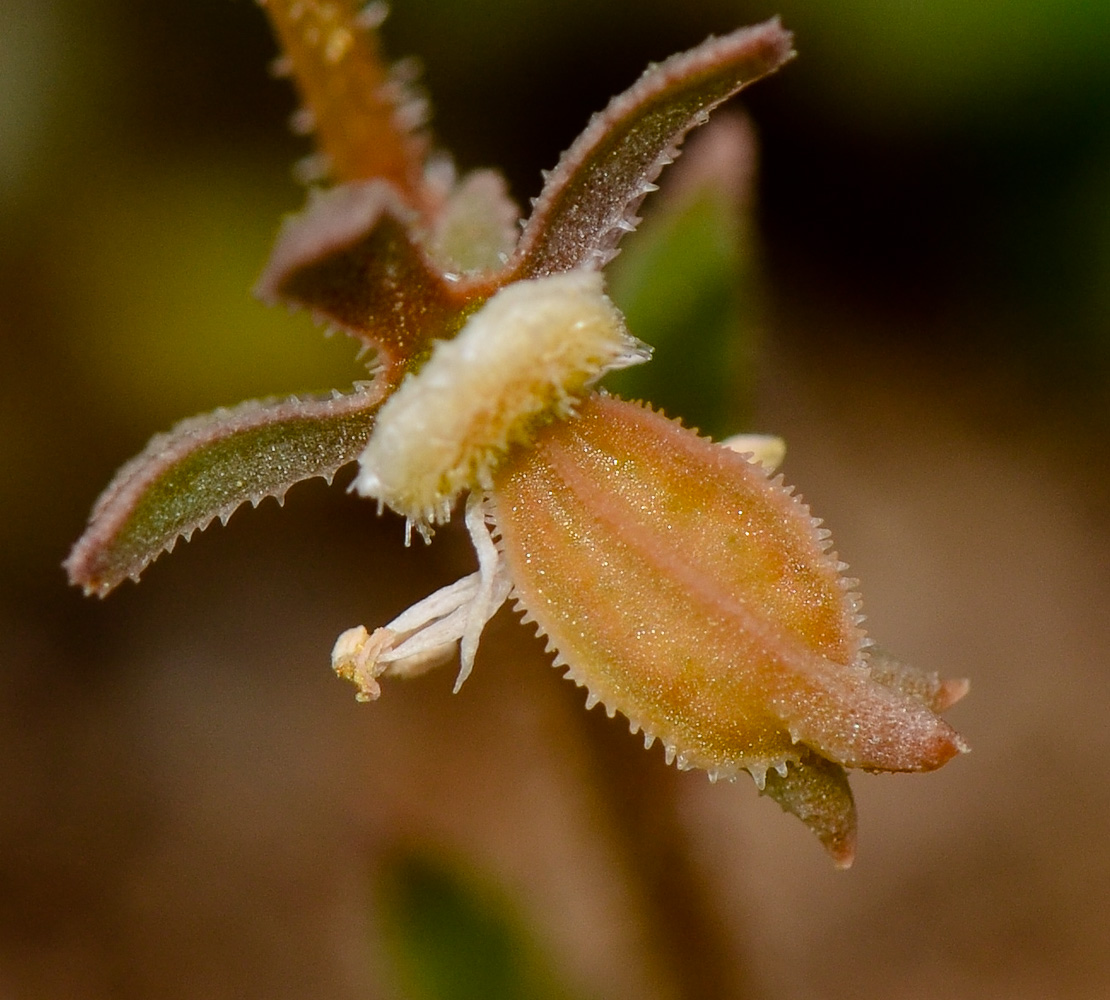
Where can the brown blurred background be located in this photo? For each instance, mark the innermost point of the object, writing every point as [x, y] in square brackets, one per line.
[191, 806]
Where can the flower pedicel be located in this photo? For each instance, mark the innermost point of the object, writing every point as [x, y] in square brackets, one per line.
[674, 579]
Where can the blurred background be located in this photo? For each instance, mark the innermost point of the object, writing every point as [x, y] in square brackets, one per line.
[192, 806]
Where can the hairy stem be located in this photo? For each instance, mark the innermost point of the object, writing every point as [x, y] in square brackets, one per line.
[363, 119]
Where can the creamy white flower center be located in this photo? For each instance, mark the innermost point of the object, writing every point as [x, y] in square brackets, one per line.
[522, 359]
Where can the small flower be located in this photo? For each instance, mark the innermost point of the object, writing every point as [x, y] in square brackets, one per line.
[674, 579]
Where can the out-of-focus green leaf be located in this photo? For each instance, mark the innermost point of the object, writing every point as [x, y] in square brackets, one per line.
[684, 286]
[453, 938]
[914, 66]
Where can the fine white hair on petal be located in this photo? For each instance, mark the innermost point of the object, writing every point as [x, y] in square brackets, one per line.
[521, 359]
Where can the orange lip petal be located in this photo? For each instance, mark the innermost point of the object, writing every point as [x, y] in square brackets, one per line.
[692, 594]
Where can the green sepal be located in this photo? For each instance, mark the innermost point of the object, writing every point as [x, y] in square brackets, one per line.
[816, 790]
[206, 467]
[590, 199]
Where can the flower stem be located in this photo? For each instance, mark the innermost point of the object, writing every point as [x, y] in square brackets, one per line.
[685, 930]
[364, 120]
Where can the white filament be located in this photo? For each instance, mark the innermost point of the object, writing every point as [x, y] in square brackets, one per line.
[428, 633]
